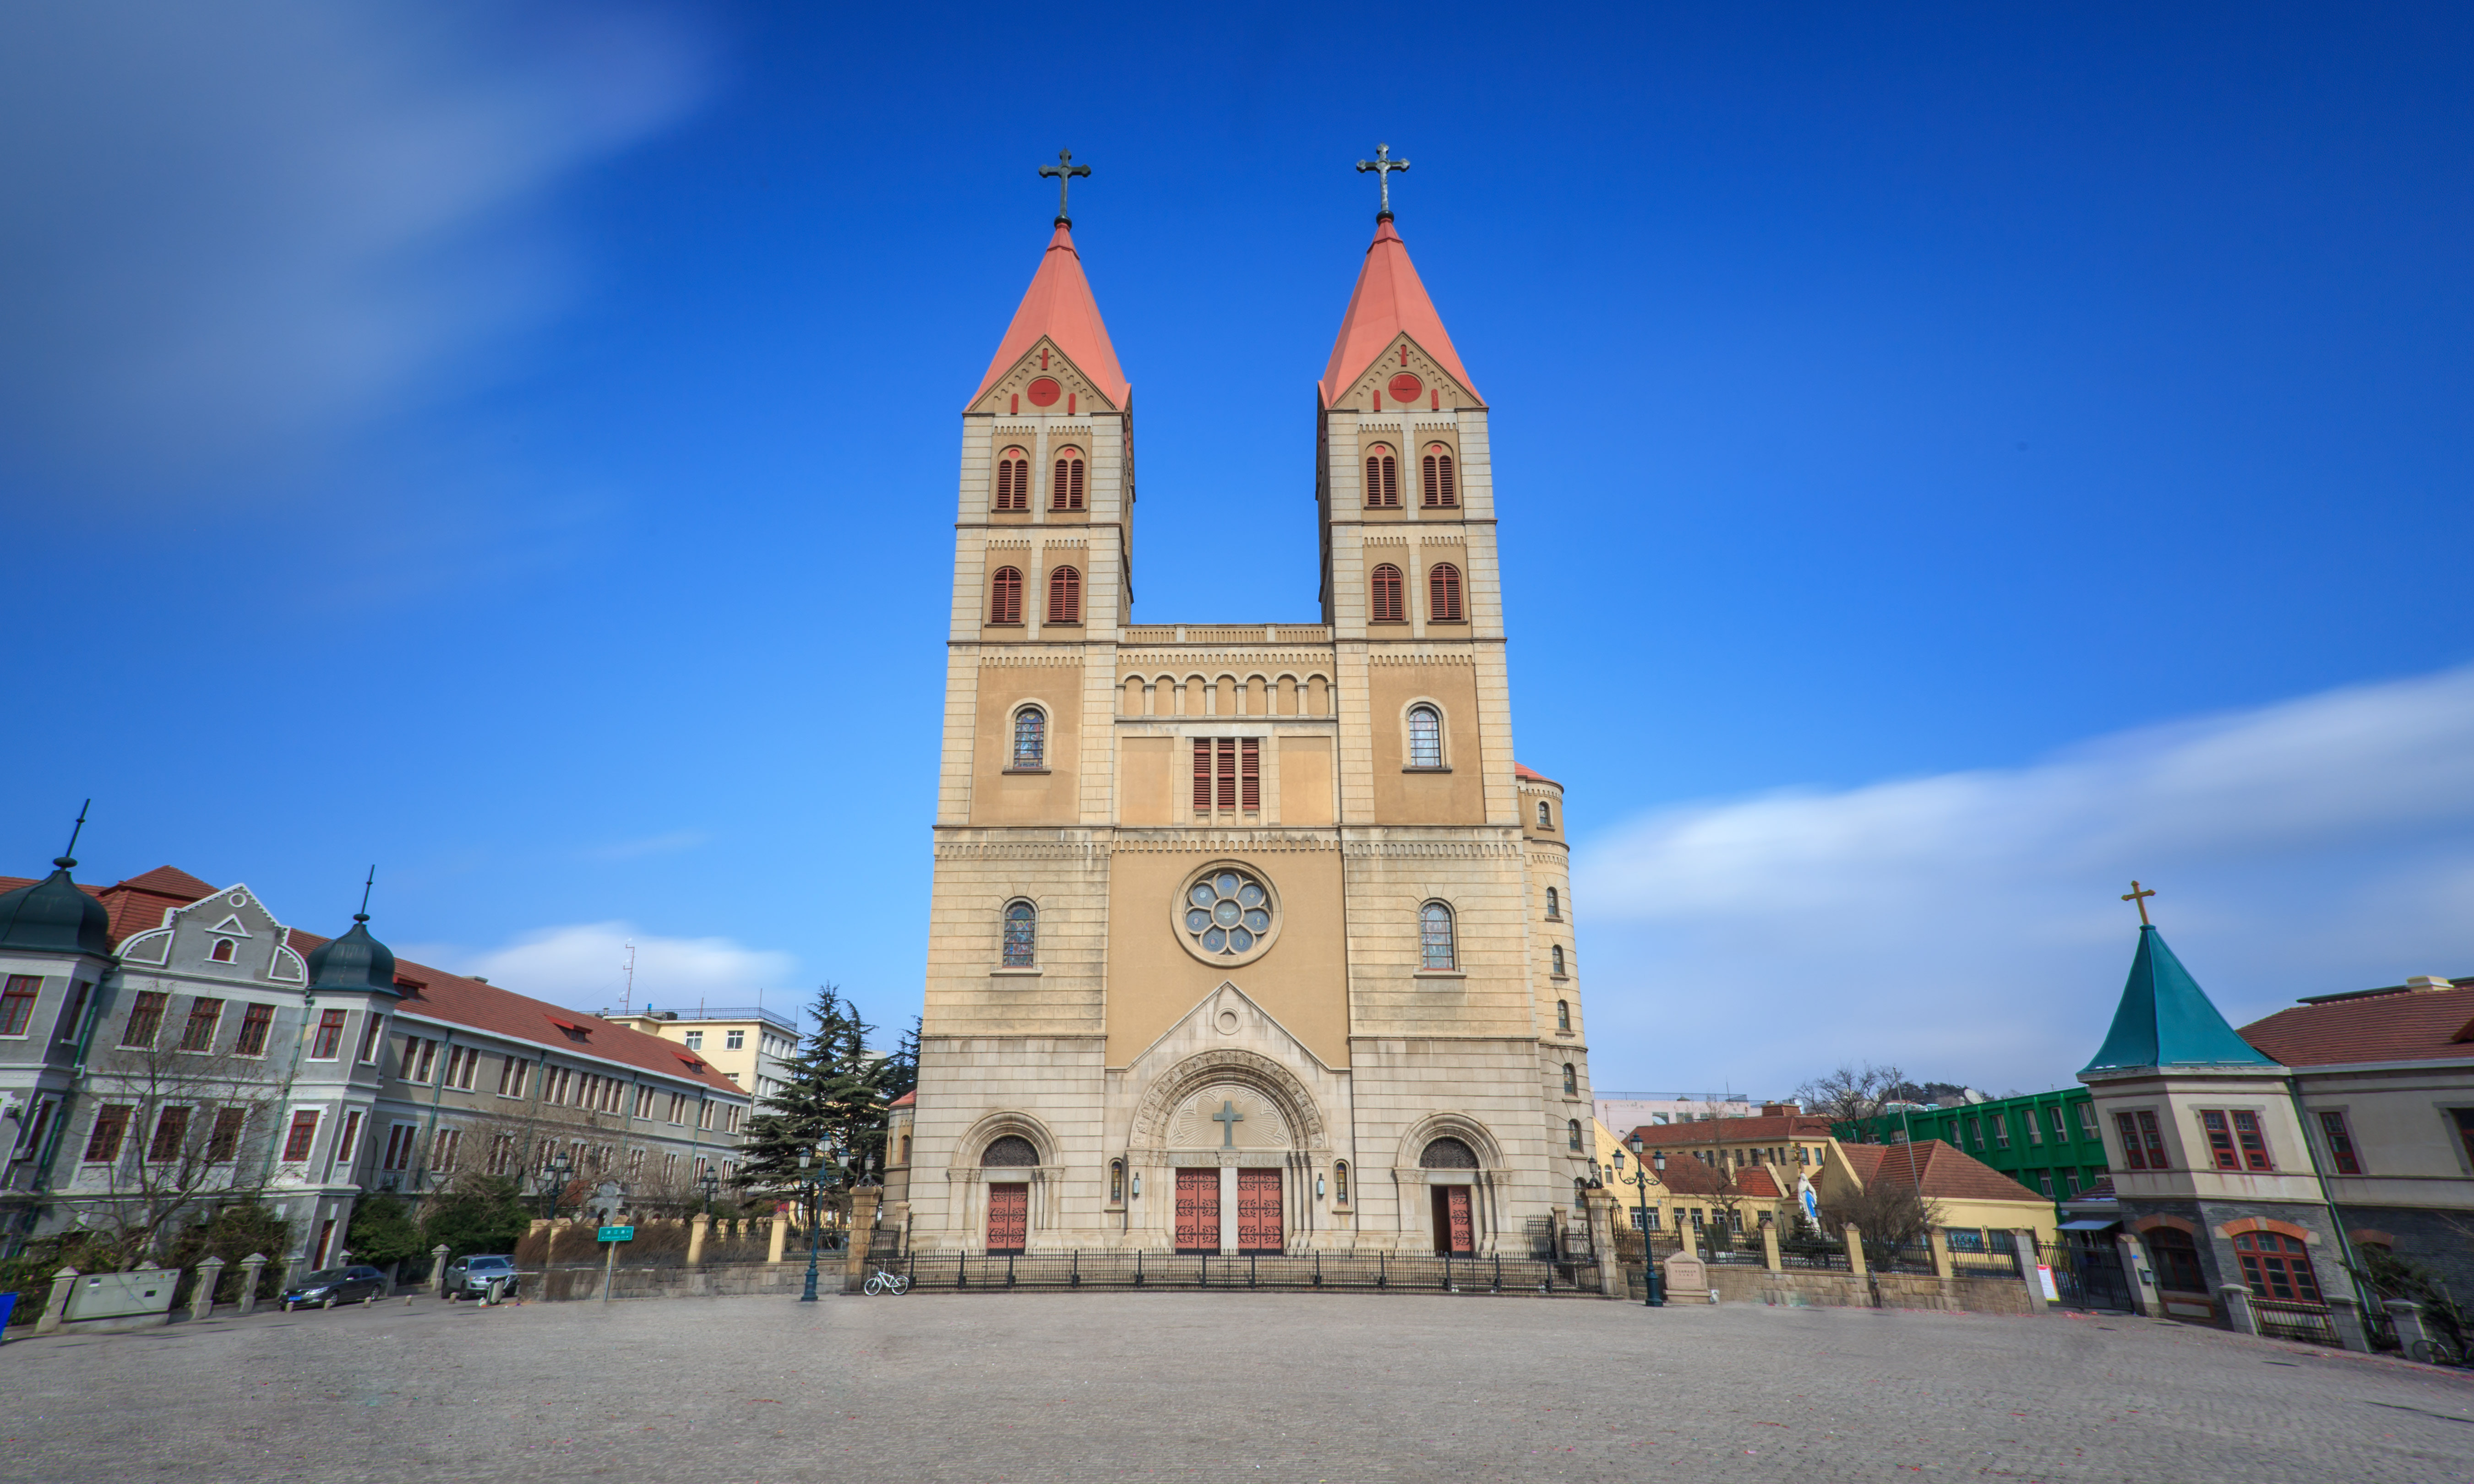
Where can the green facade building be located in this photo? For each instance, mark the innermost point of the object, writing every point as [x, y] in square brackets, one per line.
[2047, 1142]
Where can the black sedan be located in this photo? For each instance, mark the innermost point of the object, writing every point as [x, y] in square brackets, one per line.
[330, 1286]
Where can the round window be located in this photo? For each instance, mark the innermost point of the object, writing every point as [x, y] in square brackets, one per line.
[1226, 915]
[1405, 388]
[1043, 392]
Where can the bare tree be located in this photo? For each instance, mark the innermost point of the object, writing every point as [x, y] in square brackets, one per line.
[175, 1132]
[1885, 1215]
[1849, 1094]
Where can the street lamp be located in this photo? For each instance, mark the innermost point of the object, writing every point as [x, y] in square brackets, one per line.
[712, 1183]
[1652, 1292]
[814, 1164]
[554, 1176]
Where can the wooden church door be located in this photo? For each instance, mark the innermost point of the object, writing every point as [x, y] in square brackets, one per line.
[1454, 1231]
[1258, 1211]
[1198, 1210]
[1009, 1216]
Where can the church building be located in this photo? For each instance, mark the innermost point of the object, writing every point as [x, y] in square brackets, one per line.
[1245, 937]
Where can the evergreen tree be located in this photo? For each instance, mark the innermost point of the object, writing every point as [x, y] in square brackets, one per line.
[836, 1091]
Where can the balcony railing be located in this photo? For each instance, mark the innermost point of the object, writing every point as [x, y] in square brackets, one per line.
[1227, 634]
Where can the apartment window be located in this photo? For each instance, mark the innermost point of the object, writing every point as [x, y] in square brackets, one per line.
[222, 952]
[1697, 1227]
[145, 1019]
[2071, 1181]
[426, 1060]
[697, 1174]
[1435, 948]
[2341, 1142]
[463, 1063]
[2035, 1134]
[199, 1035]
[1556, 953]
[2464, 1118]
[561, 1081]
[76, 1011]
[503, 1154]
[444, 1148]
[17, 1005]
[2001, 1131]
[401, 1139]
[256, 1023]
[2087, 1121]
[2143, 1141]
[223, 1144]
[2277, 1266]
[1426, 737]
[635, 1165]
[644, 1103]
[1029, 738]
[328, 1042]
[1021, 935]
[704, 1114]
[171, 1132]
[1974, 1134]
[1554, 906]
[696, 1040]
[305, 1133]
[734, 1041]
[2045, 1182]
[111, 1127]
[678, 1108]
[669, 1166]
[2234, 1139]
[511, 1076]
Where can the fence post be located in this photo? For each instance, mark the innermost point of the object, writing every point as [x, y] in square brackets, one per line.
[1945, 1267]
[2238, 1312]
[774, 1242]
[57, 1309]
[202, 1301]
[1855, 1241]
[2346, 1316]
[1770, 1257]
[438, 1268]
[2024, 1242]
[2135, 1273]
[2406, 1315]
[252, 1265]
[697, 1226]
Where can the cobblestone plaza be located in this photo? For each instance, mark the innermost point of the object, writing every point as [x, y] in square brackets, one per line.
[1259, 1387]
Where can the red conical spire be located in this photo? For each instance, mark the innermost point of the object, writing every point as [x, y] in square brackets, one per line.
[1389, 302]
[1058, 304]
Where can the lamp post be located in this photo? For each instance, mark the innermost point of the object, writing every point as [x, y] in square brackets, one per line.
[554, 1178]
[1652, 1291]
[712, 1183]
[814, 1164]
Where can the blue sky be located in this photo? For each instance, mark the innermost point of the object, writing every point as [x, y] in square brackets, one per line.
[1950, 463]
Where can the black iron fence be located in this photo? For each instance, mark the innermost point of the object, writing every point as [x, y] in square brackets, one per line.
[2285, 1319]
[1285, 1272]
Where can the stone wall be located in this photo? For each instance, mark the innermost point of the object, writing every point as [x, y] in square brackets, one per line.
[667, 1283]
[1808, 1289]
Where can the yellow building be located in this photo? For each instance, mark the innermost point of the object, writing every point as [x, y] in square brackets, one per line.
[744, 1044]
[1245, 937]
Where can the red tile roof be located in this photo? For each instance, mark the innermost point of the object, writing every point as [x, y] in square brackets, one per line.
[905, 1100]
[1388, 303]
[1941, 1170]
[1058, 304]
[1524, 771]
[139, 903]
[2408, 1025]
[1753, 1130]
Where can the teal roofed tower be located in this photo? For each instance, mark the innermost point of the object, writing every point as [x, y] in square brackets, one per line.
[2165, 1019]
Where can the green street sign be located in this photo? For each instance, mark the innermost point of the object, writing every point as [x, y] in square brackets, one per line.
[617, 1233]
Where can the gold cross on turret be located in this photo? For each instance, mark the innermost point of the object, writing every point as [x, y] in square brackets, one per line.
[1064, 170]
[2138, 897]
[1383, 164]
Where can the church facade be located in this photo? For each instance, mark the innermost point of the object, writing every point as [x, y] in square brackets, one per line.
[1245, 937]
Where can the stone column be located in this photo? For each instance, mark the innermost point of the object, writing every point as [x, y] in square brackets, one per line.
[774, 1244]
[57, 1308]
[2025, 1243]
[2237, 1296]
[1227, 1210]
[697, 1226]
[2345, 1317]
[438, 1268]
[1854, 1240]
[2136, 1273]
[866, 1202]
[202, 1300]
[1770, 1258]
[1944, 1268]
[2406, 1316]
[252, 1266]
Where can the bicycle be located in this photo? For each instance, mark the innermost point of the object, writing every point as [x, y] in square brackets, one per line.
[2433, 1352]
[882, 1282]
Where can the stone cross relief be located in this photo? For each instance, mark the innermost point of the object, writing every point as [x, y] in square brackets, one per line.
[1227, 1117]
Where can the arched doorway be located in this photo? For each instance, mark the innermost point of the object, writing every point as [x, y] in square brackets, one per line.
[1009, 1200]
[1455, 1218]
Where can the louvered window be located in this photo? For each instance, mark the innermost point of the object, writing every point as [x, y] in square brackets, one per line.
[1227, 774]
[1382, 479]
[1385, 603]
[1065, 596]
[1013, 480]
[1005, 596]
[1067, 494]
[1029, 738]
[1440, 492]
[1426, 737]
[1443, 594]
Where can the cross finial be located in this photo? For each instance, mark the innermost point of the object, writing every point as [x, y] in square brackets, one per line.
[2139, 897]
[1383, 164]
[1227, 1117]
[68, 857]
[1064, 170]
[363, 914]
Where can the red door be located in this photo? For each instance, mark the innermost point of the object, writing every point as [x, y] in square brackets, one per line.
[1198, 1210]
[1454, 1231]
[1009, 1216]
[1258, 1210]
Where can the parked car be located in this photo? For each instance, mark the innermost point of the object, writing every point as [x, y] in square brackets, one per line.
[330, 1286]
[471, 1277]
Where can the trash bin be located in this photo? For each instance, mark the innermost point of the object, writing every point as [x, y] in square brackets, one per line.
[8, 1309]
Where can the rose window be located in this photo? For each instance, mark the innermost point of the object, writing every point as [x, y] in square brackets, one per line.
[1227, 912]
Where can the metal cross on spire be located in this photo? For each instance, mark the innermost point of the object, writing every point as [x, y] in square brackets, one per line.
[68, 857]
[364, 914]
[1383, 164]
[1064, 170]
[2139, 897]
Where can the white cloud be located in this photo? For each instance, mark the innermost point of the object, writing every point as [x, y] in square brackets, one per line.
[236, 231]
[583, 966]
[1967, 926]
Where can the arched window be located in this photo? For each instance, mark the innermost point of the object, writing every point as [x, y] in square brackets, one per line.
[2177, 1261]
[1447, 1154]
[1580, 1191]
[1563, 1014]
[1435, 950]
[1443, 594]
[1116, 1182]
[1554, 905]
[1572, 1132]
[1021, 935]
[1011, 1152]
[1545, 815]
[1340, 1182]
[1013, 480]
[1382, 479]
[1557, 952]
[1065, 596]
[2277, 1267]
[1385, 603]
[1005, 596]
[1438, 468]
[223, 951]
[1066, 494]
[1029, 738]
[1426, 737]
[1571, 1082]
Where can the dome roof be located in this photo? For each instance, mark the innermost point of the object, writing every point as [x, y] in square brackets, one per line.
[53, 916]
[355, 963]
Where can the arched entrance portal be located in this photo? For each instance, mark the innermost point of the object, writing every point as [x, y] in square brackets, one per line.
[1455, 1218]
[1236, 1135]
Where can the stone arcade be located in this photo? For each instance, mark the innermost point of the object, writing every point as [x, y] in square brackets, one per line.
[1245, 937]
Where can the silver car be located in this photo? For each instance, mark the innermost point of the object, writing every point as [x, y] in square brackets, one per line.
[471, 1277]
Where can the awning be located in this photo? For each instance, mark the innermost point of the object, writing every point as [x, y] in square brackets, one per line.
[2088, 1226]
